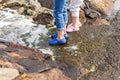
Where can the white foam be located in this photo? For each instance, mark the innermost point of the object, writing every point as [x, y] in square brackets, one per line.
[71, 48]
[14, 26]
[47, 51]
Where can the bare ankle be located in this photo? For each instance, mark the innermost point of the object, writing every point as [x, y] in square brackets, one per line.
[60, 34]
[65, 29]
[75, 21]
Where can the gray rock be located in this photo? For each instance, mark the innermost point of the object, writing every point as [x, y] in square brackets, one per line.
[46, 3]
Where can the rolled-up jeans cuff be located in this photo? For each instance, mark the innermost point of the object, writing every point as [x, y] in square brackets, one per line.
[60, 26]
[59, 29]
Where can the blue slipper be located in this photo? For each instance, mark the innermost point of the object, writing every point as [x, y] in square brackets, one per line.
[53, 36]
[57, 42]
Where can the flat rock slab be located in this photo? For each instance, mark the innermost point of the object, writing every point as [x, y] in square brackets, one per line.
[53, 74]
[8, 73]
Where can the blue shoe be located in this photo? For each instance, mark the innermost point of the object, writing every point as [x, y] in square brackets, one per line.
[53, 36]
[57, 42]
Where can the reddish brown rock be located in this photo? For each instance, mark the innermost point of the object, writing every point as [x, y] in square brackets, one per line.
[18, 51]
[2, 46]
[99, 22]
[104, 6]
[7, 64]
[82, 17]
[53, 74]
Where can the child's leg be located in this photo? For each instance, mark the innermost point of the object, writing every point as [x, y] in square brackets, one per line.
[75, 21]
[75, 8]
[59, 18]
[59, 6]
[65, 20]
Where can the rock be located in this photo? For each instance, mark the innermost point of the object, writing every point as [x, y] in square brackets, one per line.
[44, 18]
[82, 17]
[4, 63]
[19, 54]
[31, 12]
[37, 6]
[32, 8]
[13, 1]
[4, 1]
[24, 58]
[53, 74]
[27, 11]
[1, 7]
[14, 5]
[103, 6]
[91, 13]
[21, 10]
[2, 46]
[99, 22]
[8, 73]
[27, 4]
[46, 3]
[18, 51]
[14, 55]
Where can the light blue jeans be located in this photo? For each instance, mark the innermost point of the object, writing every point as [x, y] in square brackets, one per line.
[60, 13]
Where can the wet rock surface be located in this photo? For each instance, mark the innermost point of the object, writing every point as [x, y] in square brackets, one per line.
[31, 62]
[94, 50]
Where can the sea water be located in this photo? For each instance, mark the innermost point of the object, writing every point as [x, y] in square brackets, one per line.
[21, 29]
